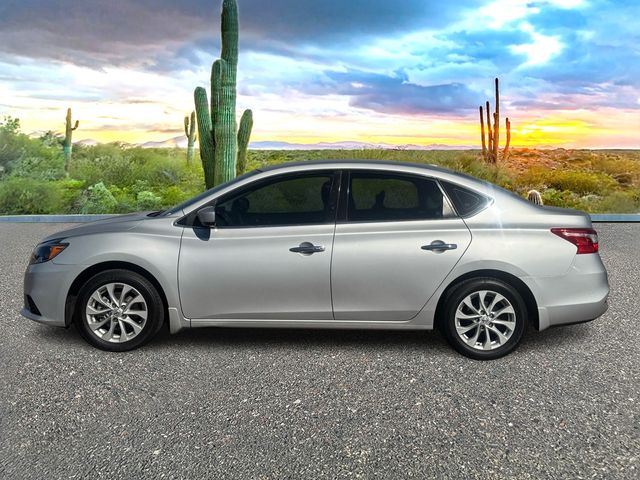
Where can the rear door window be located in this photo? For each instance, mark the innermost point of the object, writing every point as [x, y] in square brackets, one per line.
[382, 197]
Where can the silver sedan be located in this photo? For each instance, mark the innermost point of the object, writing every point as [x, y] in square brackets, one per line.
[373, 245]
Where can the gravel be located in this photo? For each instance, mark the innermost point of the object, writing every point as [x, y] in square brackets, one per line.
[224, 403]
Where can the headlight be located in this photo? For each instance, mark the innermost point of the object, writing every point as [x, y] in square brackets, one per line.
[47, 250]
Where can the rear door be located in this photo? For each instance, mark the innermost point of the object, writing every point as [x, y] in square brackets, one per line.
[396, 241]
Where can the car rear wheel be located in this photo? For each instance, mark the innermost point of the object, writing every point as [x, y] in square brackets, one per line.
[484, 318]
[119, 310]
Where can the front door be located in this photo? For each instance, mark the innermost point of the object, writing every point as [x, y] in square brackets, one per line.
[269, 256]
[397, 242]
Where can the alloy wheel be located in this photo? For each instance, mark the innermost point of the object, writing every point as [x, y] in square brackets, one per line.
[485, 320]
[116, 312]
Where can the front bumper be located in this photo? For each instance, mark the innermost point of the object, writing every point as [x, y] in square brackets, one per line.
[46, 286]
[578, 296]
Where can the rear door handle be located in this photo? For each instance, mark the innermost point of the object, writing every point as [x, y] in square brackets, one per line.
[307, 248]
[439, 246]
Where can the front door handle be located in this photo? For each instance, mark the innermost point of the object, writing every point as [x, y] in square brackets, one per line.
[307, 248]
[439, 246]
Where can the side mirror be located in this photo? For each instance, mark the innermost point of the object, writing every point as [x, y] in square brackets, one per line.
[207, 216]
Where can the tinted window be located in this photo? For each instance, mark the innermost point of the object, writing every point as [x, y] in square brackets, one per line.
[207, 193]
[286, 201]
[378, 197]
[465, 201]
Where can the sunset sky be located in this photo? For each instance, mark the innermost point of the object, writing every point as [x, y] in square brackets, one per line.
[398, 72]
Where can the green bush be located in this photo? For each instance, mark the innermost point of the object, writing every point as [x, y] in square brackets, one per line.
[23, 156]
[47, 164]
[23, 196]
[619, 202]
[148, 201]
[563, 198]
[174, 195]
[71, 195]
[113, 164]
[98, 199]
[578, 182]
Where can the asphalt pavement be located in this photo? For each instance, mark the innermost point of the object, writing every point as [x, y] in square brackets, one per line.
[308, 404]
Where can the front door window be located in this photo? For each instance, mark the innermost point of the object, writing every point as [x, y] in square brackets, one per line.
[293, 200]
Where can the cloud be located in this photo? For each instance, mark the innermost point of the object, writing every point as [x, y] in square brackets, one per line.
[132, 32]
[395, 94]
[334, 57]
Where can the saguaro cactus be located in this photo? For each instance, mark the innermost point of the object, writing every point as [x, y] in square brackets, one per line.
[505, 152]
[491, 145]
[534, 197]
[484, 142]
[244, 132]
[190, 132]
[219, 137]
[68, 143]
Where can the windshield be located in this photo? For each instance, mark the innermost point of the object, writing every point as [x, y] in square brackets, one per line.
[192, 201]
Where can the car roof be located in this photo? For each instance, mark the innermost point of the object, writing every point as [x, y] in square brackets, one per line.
[393, 165]
[345, 163]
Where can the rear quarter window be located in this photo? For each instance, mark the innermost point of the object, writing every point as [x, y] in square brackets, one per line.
[465, 201]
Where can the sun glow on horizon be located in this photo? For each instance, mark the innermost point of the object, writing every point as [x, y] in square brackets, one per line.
[566, 130]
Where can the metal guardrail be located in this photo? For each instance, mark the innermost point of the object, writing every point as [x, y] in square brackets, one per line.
[615, 217]
[596, 217]
[52, 218]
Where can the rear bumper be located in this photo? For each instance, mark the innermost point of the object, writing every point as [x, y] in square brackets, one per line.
[572, 314]
[578, 296]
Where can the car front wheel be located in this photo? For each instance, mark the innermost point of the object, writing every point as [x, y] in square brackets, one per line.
[484, 318]
[119, 310]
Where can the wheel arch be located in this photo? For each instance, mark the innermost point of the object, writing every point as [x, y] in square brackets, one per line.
[81, 279]
[519, 285]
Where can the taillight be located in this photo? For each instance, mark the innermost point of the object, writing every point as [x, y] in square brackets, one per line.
[586, 239]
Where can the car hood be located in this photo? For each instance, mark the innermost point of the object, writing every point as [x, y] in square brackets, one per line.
[119, 223]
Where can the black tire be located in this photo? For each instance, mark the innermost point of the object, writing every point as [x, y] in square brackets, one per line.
[154, 304]
[455, 298]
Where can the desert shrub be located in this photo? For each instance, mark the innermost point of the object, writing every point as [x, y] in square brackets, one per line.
[613, 164]
[563, 198]
[174, 195]
[125, 199]
[148, 201]
[102, 163]
[619, 202]
[11, 141]
[70, 195]
[23, 156]
[47, 165]
[475, 167]
[20, 195]
[113, 164]
[624, 170]
[579, 182]
[98, 199]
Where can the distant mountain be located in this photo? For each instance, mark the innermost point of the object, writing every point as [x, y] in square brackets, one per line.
[352, 145]
[181, 142]
[87, 142]
[175, 142]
